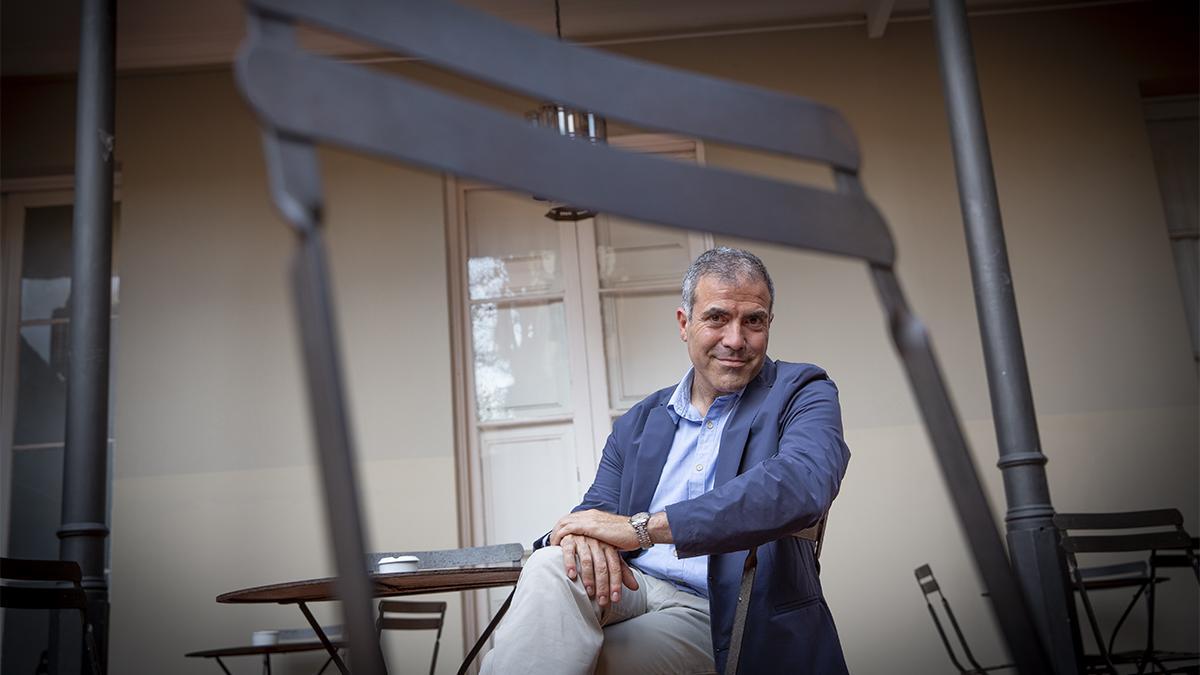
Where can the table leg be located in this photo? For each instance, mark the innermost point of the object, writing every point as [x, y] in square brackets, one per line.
[222, 664]
[333, 654]
[487, 633]
[266, 664]
[325, 665]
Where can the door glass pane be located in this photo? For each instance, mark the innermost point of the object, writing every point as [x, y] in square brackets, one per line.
[641, 345]
[629, 253]
[46, 263]
[512, 249]
[521, 368]
[42, 384]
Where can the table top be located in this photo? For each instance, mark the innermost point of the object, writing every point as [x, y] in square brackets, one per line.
[385, 585]
[279, 648]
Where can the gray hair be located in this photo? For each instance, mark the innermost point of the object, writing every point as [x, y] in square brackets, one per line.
[727, 264]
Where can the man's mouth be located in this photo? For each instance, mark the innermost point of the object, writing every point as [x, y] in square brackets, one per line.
[731, 363]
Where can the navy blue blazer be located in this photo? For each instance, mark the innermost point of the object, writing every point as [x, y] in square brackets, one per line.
[780, 464]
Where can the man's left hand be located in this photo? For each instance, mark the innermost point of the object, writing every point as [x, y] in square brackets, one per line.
[611, 528]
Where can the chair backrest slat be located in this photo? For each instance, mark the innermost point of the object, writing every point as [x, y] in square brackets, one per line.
[23, 597]
[1124, 543]
[352, 107]
[410, 624]
[475, 44]
[1136, 567]
[411, 607]
[1118, 521]
[19, 569]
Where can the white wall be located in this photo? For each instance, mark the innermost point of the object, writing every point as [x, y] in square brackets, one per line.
[216, 485]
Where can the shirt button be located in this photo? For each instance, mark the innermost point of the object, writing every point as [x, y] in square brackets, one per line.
[699, 467]
[710, 424]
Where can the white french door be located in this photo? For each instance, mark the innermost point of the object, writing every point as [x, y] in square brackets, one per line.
[559, 327]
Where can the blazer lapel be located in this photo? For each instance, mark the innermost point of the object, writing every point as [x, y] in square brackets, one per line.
[733, 439]
[656, 441]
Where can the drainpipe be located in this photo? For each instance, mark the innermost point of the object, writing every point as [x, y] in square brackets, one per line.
[1032, 539]
[84, 529]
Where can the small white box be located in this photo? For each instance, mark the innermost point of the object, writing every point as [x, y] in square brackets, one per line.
[263, 638]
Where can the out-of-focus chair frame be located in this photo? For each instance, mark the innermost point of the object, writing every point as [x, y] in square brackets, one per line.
[303, 99]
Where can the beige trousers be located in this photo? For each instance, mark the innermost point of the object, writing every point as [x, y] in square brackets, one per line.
[554, 627]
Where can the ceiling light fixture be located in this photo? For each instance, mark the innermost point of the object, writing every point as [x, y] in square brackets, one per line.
[572, 123]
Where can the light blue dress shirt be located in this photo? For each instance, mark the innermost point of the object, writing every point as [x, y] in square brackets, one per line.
[689, 472]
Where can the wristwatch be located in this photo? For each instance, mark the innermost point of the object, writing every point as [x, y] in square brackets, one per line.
[639, 522]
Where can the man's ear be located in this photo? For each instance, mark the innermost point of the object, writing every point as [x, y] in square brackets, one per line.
[681, 317]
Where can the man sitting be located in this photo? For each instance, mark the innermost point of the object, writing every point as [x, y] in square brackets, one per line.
[643, 576]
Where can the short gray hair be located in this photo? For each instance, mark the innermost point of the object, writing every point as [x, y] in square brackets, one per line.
[727, 264]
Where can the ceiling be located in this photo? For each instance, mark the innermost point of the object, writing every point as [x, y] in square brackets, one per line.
[40, 37]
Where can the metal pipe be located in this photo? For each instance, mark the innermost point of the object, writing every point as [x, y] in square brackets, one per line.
[1032, 538]
[85, 462]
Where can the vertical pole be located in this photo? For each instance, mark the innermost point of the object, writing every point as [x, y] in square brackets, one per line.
[85, 463]
[1032, 539]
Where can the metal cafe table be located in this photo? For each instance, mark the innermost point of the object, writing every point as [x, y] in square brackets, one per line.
[465, 569]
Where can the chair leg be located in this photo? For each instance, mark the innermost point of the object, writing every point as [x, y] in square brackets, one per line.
[89, 641]
[737, 635]
[433, 664]
[1112, 639]
[325, 665]
[1091, 615]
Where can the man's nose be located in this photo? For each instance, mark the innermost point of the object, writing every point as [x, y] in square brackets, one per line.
[732, 338]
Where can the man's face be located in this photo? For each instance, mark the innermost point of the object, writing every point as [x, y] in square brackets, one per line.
[727, 334]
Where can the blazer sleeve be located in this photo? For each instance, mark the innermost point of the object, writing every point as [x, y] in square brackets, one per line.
[783, 494]
[605, 492]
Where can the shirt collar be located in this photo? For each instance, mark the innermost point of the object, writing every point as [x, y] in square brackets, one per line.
[680, 403]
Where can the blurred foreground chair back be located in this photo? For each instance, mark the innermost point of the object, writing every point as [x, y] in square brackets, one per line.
[303, 99]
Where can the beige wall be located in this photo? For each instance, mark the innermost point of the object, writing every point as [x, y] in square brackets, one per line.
[215, 484]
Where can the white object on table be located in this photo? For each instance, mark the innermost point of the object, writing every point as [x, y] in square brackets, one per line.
[402, 563]
[262, 638]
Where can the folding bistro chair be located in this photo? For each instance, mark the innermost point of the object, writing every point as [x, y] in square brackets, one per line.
[737, 636]
[929, 586]
[43, 584]
[495, 554]
[1104, 533]
[303, 99]
[411, 615]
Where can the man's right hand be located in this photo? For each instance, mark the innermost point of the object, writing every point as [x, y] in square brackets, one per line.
[600, 567]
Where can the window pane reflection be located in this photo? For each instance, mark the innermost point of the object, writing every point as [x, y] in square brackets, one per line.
[516, 252]
[42, 385]
[521, 368]
[46, 263]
